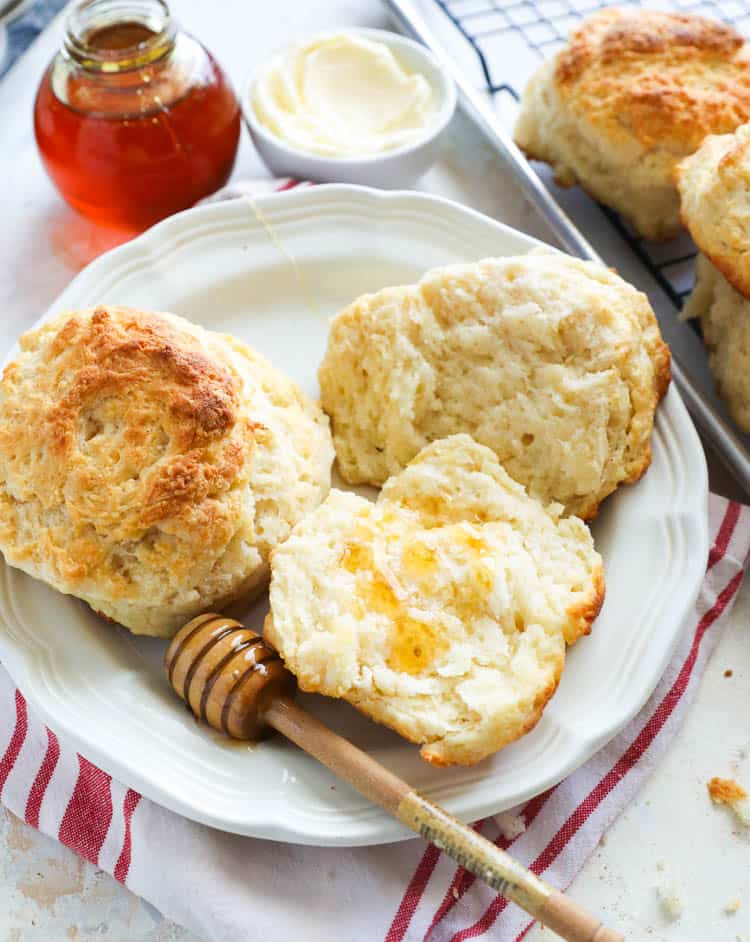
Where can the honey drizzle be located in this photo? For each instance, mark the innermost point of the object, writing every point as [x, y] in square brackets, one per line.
[415, 643]
[415, 647]
[283, 250]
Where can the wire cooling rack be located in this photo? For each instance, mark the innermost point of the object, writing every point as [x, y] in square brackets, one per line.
[523, 33]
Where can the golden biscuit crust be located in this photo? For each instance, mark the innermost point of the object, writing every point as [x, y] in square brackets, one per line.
[714, 185]
[631, 94]
[663, 77]
[724, 316]
[130, 449]
[556, 364]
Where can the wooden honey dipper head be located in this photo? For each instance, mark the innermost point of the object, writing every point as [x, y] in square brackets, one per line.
[227, 674]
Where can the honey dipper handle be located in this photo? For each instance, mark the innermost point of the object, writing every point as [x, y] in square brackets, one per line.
[472, 851]
[499, 870]
[357, 768]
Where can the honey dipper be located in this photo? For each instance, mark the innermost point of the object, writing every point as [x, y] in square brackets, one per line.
[232, 679]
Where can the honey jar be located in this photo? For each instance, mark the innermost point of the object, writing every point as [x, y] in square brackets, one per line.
[134, 118]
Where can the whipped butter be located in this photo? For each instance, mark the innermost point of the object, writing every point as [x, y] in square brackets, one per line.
[343, 95]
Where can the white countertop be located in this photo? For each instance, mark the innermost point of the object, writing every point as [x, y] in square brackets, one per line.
[671, 835]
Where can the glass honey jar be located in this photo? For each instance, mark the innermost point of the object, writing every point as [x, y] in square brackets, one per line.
[134, 119]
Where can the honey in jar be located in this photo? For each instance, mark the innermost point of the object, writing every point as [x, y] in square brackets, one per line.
[134, 119]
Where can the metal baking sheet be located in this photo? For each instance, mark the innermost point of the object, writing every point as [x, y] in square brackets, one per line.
[492, 47]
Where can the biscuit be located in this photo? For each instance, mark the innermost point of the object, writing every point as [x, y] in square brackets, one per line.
[724, 316]
[149, 466]
[442, 610]
[631, 94]
[714, 185]
[554, 363]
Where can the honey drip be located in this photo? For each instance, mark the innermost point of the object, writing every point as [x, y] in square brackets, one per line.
[415, 647]
[415, 644]
[419, 560]
[357, 557]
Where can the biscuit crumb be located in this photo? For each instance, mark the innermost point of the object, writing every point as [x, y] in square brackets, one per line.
[670, 902]
[726, 791]
[455, 892]
[728, 672]
[733, 906]
[511, 825]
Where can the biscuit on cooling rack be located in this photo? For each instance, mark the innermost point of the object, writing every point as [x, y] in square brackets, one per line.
[149, 466]
[444, 609]
[724, 316]
[714, 185]
[632, 93]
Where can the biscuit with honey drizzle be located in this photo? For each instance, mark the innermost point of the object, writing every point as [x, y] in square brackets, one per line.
[444, 609]
[234, 680]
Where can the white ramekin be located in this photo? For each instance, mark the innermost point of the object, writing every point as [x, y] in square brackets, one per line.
[397, 168]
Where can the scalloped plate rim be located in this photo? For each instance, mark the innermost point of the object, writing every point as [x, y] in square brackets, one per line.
[372, 826]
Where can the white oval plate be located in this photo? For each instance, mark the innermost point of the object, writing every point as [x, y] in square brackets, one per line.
[273, 272]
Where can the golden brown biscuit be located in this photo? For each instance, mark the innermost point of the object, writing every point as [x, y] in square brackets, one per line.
[554, 363]
[444, 609]
[714, 185]
[632, 93]
[149, 466]
[725, 323]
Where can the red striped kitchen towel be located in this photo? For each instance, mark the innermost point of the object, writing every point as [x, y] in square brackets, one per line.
[229, 888]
